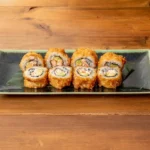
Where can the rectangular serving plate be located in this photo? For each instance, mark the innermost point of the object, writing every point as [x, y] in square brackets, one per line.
[9, 65]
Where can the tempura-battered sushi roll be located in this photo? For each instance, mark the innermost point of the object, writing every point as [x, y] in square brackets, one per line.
[109, 77]
[36, 74]
[60, 76]
[35, 77]
[33, 84]
[31, 59]
[56, 57]
[84, 57]
[112, 60]
[84, 77]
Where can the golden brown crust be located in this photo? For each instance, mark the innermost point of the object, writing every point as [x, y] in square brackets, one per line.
[84, 53]
[84, 83]
[58, 50]
[59, 83]
[109, 56]
[110, 82]
[27, 56]
[37, 79]
[30, 84]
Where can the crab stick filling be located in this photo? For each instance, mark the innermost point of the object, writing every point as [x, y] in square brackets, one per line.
[112, 64]
[85, 72]
[33, 61]
[85, 62]
[109, 72]
[56, 61]
[36, 72]
[60, 72]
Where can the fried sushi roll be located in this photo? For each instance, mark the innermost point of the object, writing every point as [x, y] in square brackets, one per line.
[31, 59]
[109, 77]
[36, 74]
[33, 84]
[84, 57]
[60, 76]
[84, 77]
[35, 77]
[56, 57]
[112, 60]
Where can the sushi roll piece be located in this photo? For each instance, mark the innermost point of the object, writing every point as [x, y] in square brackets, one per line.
[109, 77]
[84, 77]
[56, 57]
[33, 84]
[36, 74]
[112, 60]
[31, 59]
[60, 76]
[35, 77]
[84, 57]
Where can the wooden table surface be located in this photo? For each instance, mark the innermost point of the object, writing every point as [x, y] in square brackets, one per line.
[75, 122]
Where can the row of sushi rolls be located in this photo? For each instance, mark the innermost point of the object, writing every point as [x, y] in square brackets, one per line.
[83, 70]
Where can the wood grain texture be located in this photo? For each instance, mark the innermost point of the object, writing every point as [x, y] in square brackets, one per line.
[110, 3]
[42, 27]
[82, 26]
[68, 14]
[148, 42]
[75, 132]
[76, 28]
[33, 42]
[75, 105]
[78, 3]
[51, 3]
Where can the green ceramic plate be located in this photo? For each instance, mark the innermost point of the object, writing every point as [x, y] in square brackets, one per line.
[136, 75]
